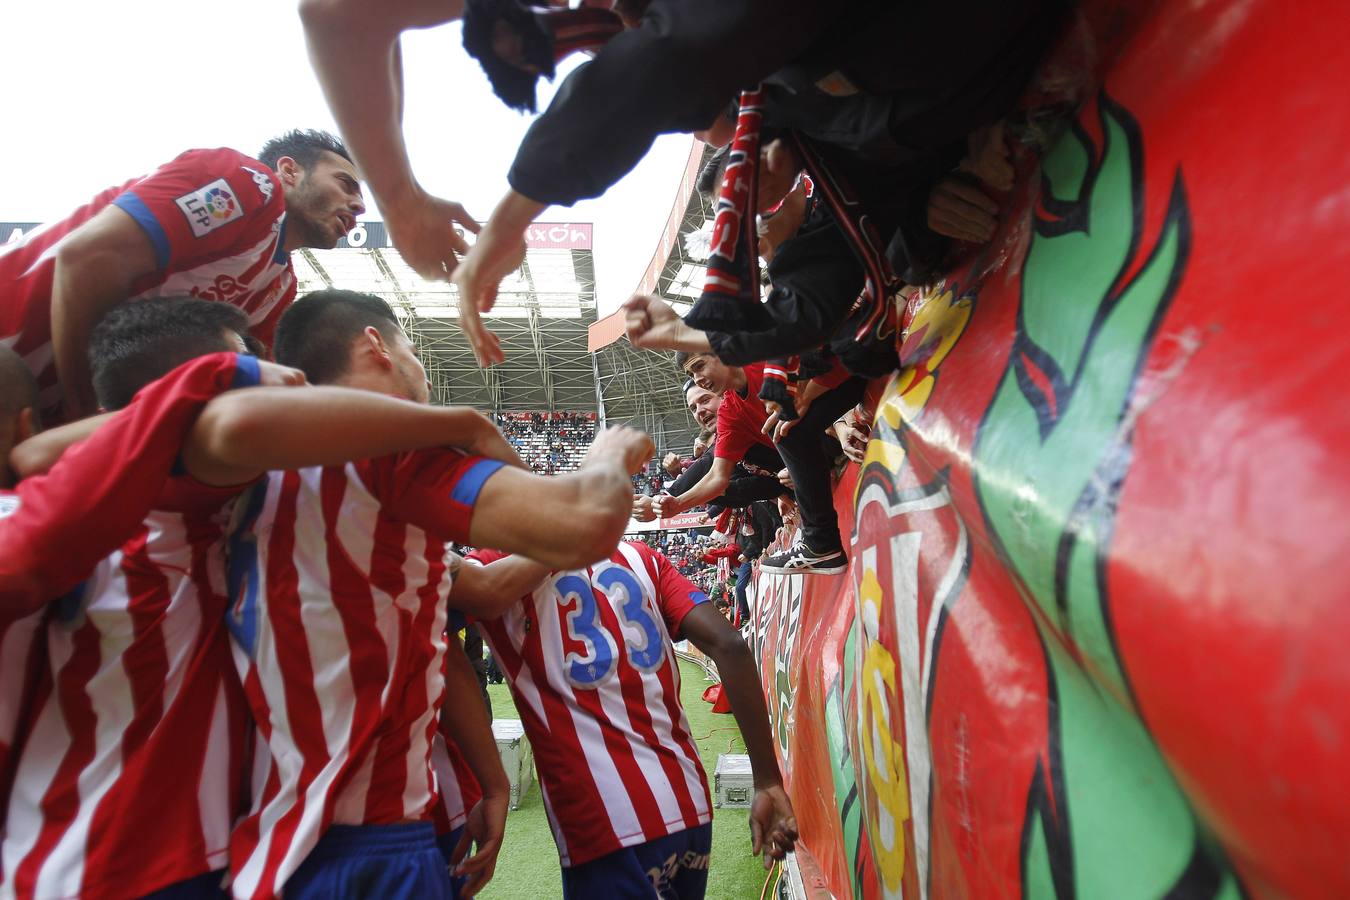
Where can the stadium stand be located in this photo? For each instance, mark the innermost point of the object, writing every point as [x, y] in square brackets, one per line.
[549, 442]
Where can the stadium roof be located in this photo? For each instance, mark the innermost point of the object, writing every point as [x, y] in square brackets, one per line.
[541, 315]
[558, 357]
[639, 385]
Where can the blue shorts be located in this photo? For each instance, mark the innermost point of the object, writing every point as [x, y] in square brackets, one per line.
[391, 862]
[206, 886]
[674, 867]
[447, 843]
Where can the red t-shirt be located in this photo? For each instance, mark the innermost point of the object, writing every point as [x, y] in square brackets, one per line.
[741, 418]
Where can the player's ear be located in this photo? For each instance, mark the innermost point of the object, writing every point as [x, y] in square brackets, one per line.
[290, 171]
[375, 342]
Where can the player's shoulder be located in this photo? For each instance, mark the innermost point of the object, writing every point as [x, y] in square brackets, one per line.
[640, 548]
[240, 171]
[651, 558]
[216, 157]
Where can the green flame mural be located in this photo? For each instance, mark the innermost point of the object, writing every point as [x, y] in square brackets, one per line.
[1105, 817]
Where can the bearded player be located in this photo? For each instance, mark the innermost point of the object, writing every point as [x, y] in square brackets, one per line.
[213, 224]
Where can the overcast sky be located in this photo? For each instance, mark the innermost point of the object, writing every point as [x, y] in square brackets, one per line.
[98, 93]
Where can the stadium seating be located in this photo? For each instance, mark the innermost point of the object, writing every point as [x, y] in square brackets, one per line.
[549, 443]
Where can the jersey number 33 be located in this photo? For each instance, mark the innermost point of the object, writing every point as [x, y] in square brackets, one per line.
[643, 637]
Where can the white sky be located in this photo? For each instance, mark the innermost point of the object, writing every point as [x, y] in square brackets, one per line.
[98, 93]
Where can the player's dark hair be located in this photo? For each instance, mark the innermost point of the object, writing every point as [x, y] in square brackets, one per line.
[305, 147]
[139, 341]
[315, 335]
[18, 387]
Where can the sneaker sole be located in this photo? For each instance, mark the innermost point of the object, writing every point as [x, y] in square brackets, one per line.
[778, 570]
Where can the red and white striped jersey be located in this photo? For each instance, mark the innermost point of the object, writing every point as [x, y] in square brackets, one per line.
[216, 220]
[338, 580]
[458, 789]
[597, 685]
[131, 774]
[56, 528]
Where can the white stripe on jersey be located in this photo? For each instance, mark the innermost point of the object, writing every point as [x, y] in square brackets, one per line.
[113, 707]
[31, 780]
[312, 570]
[617, 802]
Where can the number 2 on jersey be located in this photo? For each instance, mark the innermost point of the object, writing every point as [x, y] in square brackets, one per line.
[646, 649]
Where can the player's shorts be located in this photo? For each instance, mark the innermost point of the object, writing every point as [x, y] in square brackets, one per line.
[447, 842]
[392, 862]
[206, 886]
[674, 867]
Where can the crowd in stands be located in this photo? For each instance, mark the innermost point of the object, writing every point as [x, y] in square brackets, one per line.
[549, 443]
[650, 480]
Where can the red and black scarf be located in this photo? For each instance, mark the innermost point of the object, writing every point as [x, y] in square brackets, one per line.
[730, 300]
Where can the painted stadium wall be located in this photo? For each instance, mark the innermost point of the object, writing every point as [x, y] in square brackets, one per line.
[1094, 638]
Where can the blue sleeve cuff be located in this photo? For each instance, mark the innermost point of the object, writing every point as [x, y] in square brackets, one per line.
[471, 483]
[698, 597]
[247, 372]
[133, 206]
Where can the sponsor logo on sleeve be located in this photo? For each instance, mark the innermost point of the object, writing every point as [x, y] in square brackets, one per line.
[262, 180]
[210, 207]
[9, 505]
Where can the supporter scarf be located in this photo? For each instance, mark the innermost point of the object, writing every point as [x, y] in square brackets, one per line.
[547, 35]
[730, 298]
[780, 385]
[873, 317]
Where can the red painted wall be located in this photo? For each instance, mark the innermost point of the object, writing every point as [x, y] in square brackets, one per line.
[1093, 638]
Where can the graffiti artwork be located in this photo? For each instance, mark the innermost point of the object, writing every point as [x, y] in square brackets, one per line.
[1091, 643]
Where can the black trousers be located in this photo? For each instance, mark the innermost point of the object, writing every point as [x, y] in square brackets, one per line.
[808, 452]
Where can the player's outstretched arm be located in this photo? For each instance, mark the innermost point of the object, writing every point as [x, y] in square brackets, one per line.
[564, 521]
[464, 720]
[96, 266]
[241, 435]
[773, 825]
[353, 46]
[486, 592]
